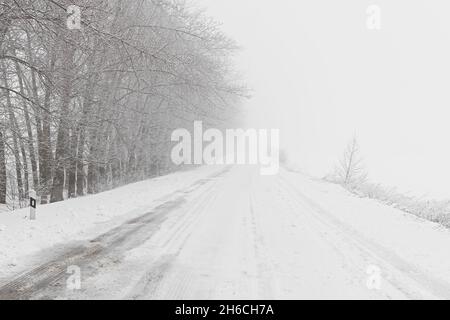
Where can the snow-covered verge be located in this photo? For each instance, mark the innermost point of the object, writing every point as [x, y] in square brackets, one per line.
[83, 218]
[433, 210]
[399, 236]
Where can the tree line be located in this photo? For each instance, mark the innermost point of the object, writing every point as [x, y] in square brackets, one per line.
[91, 108]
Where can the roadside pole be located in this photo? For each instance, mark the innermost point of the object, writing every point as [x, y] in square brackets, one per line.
[33, 203]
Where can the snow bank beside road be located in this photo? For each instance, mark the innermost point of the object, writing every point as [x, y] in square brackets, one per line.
[398, 235]
[83, 218]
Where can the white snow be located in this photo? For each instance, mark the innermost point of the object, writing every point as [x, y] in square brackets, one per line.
[82, 218]
[245, 236]
[416, 247]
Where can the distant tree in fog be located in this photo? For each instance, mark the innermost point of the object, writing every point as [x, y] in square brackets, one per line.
[351, 170]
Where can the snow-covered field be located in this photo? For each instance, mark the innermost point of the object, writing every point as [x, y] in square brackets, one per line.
[212, 233]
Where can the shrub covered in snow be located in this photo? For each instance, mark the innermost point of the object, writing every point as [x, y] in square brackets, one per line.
[433, 210]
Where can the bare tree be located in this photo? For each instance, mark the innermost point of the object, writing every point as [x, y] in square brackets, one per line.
[87, 110]
[2, 168]
[351, 170]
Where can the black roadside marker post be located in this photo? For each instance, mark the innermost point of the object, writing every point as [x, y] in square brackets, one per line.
[33, 205]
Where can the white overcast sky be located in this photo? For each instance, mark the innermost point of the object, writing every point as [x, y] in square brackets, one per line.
[320, 76]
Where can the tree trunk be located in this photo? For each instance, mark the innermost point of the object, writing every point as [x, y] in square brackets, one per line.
[60, 155]
[62, 140]
[80, 163]
[25, 168]
[42, 119]
[31, 150]
[92, 171]
[14, 137]
[2, 169]
[93, 166]
[45, 151]
[87, 109]
[72, 166]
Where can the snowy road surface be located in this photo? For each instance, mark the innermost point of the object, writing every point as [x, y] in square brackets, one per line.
[235, 234]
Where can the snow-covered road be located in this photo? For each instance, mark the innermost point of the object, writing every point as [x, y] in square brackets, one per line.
[237, 235]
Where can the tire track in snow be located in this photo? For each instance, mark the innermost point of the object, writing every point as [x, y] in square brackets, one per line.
[399, 267]
[351, 259]
[45, 280]
[264, 264]
[218, 261]
[171, 244]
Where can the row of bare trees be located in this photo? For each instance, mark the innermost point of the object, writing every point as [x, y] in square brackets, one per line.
[91, 108]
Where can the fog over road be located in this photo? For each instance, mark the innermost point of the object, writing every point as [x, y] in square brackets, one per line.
[239, 235]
